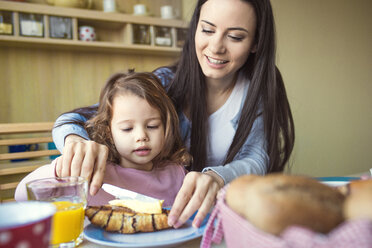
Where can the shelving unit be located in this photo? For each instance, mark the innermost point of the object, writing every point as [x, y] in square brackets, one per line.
[114, 30]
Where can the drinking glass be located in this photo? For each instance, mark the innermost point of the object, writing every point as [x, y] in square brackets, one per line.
[69, 195]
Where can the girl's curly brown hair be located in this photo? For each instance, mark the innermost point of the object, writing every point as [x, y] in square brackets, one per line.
[148, 87]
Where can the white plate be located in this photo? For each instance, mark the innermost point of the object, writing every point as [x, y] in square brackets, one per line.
[336, 181]
[163, 238]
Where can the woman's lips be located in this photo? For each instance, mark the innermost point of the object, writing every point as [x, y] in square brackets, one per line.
[216, 63]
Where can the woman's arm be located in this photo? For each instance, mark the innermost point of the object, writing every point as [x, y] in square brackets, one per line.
[251, 159]
[199, 190]
[81, 156]
[64, 127]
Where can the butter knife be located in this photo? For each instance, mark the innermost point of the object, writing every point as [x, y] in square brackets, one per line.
[120, 193]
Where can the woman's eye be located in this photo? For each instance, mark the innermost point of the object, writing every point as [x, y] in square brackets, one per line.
[236, 38]
[208, 31]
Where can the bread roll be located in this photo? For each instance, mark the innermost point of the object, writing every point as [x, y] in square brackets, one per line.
[354, 186]
[358, 204]
[276, 201]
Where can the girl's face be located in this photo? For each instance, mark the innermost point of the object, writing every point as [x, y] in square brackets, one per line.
[224, 37]
[137, 131]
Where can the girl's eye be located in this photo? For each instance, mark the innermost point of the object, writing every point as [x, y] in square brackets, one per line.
[126, 129]
[208, 31]
[153, 127]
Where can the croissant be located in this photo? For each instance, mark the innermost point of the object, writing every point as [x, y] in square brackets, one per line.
[124, 220]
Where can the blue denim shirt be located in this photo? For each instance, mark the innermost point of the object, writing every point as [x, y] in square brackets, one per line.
[252, 158]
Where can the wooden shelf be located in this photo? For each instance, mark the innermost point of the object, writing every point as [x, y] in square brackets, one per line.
[114, 30]
[60, 44]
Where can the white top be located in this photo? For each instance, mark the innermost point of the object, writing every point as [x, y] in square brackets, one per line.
[221, 130]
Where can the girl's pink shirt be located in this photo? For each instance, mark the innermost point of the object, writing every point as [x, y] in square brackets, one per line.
[162, 182]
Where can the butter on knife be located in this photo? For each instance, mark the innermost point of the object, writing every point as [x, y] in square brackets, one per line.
[154, 207]
[133, 200]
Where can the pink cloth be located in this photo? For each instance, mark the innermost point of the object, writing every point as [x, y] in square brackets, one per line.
[238, 232]
[163, 182]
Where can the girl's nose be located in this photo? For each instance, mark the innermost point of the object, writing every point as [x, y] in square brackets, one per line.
[142, 136]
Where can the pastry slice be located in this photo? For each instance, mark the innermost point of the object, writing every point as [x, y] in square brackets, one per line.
[124, 220]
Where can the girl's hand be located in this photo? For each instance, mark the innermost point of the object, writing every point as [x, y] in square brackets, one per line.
[83, 158]
[198, 192]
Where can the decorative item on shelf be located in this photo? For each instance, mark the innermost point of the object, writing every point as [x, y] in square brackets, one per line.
[141, 34]
[163, 36]
[31, 24]
[109, 5]
[167, 12]
[113, 31]
[72, 3]
[140, 10]
[52, 146]
[87, 33]
[22, 148]
[60, 27]
[6, 22]
[181, 36]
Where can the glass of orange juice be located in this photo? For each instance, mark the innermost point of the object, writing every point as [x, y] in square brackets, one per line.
[69, 196]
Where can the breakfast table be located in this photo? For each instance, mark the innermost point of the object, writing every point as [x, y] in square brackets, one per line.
[193, 243]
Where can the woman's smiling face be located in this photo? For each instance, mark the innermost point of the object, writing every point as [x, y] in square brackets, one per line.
[224, 37]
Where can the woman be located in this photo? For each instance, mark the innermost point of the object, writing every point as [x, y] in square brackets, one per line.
[227, 85]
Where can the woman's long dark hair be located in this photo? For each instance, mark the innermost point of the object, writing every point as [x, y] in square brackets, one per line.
[266, 95]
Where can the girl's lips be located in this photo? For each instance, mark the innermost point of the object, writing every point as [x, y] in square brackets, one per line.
[142, 151]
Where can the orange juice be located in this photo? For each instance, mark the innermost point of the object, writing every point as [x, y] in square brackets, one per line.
[68, 222]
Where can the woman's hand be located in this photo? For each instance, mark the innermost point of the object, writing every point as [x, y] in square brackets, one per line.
[198, 192]
[83, 158]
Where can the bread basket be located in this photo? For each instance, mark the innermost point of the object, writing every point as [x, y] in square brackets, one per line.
[238, 232]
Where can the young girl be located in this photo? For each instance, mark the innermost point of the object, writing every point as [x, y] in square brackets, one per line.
[136, 120]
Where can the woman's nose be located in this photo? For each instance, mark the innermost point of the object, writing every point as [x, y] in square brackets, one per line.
[216, 44]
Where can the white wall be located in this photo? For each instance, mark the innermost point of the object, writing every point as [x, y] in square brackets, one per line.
[325, 55]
